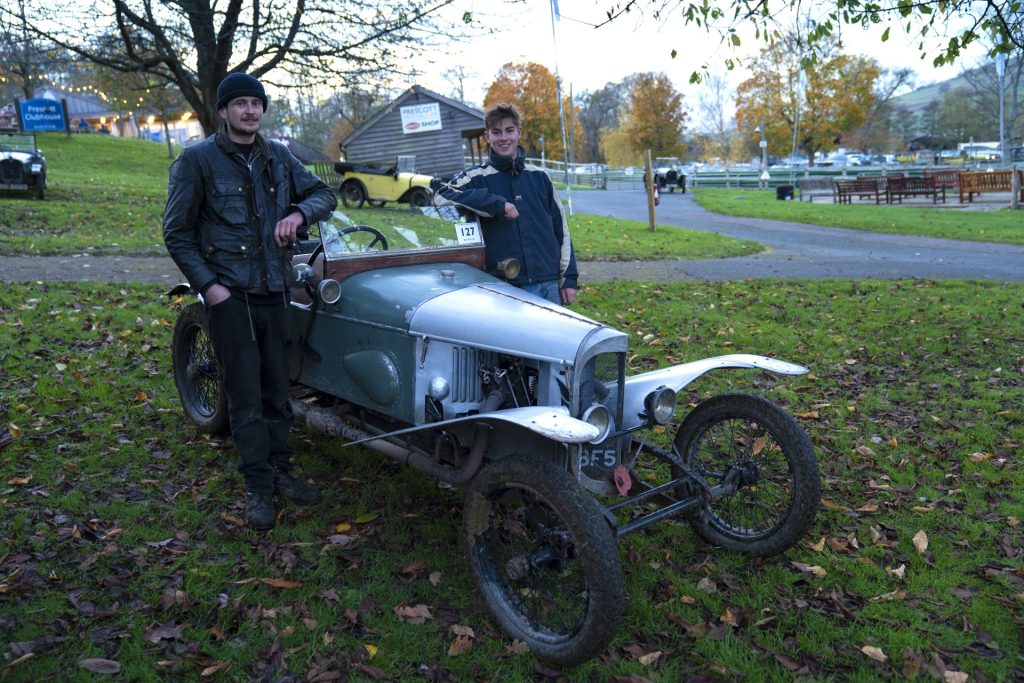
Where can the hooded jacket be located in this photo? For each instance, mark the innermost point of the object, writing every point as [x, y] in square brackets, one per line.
[221, 212]
[539, 238]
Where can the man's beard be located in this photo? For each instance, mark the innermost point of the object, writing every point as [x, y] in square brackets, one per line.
[240, 132]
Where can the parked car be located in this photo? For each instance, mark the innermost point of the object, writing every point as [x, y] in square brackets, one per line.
[668, 174]
[361, 183]
[404, 345]
[22, 164]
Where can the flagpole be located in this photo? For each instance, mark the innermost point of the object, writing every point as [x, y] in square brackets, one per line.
[561, 109]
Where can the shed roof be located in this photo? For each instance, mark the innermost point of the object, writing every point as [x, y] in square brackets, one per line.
[414, 90]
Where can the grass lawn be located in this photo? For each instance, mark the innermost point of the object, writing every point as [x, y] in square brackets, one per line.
[1004, 226]
[123, 547]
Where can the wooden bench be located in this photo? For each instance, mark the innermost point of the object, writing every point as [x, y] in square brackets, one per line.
[947, 179]
[913, 186]
[974, 183]
[862, 188]
[820, 186]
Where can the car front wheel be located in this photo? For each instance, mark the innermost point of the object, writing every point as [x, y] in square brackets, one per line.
[544, 559]
[352, 194]
[196, 375]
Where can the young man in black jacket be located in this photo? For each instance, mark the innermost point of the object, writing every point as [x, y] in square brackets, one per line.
[520, 215]
[235, 205]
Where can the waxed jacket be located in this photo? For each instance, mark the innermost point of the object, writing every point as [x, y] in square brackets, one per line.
[221, 212]
[539, 238]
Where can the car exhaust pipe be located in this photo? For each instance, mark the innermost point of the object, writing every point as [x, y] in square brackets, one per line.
[331, 424]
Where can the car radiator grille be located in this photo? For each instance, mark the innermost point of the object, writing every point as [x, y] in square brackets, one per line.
[10, 171]
[601, 381]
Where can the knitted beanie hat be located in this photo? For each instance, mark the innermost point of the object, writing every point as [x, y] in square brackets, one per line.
[240, 85]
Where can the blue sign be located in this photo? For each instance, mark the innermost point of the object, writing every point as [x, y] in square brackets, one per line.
[39, 114]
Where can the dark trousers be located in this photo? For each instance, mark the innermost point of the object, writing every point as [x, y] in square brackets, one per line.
[250, 343]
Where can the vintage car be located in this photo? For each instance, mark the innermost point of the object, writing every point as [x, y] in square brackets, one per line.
[22, 164]
[361, 183]
[668, 174]
[405, 346]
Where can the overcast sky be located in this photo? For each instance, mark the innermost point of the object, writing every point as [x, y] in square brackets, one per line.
[587, 58]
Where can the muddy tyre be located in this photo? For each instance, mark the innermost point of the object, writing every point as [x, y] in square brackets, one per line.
[196, 373]
[756, 445]
[544, 559]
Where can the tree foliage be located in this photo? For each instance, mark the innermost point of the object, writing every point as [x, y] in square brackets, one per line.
[600, 112]
[943, 29]
[656, 119]
[810, 107]
[533, 89]
[194, 44]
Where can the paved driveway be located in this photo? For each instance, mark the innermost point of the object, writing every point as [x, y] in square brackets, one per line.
[796, 250]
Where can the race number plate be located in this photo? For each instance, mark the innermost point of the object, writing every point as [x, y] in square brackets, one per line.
[468, 233]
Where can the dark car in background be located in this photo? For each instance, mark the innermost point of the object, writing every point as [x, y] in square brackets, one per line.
[22, 164]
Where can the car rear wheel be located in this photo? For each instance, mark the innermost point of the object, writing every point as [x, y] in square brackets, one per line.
[196, 374]
[352, 194]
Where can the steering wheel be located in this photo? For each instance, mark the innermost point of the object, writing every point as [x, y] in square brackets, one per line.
[378, 236]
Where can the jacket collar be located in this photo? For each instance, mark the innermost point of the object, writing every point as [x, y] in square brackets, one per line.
[225, 143]
[515, 164]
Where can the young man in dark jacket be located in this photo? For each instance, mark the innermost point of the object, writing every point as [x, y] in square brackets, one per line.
[520, 216]
[235, 204]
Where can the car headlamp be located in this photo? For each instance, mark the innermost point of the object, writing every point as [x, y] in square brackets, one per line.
[508, 268]
[660, 405]
[329, 291]
[37, 168]
[598, 416]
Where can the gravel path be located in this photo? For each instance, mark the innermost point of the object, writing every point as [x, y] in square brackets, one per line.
[794, 251]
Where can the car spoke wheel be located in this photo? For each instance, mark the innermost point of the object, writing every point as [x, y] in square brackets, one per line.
[196, 375]
[352, 194]
[751, 444]
[544, 559]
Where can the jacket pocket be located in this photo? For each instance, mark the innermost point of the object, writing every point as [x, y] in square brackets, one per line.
[229, 201]
[234, 261]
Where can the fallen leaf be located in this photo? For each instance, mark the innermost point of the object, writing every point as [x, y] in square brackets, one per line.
[342, 527]
[100, 666]
[371, 650]
[892, 595]
[900, 571]
[868, 507]
[650, 658]
[864, 450]
[214, 669]
[921, 541]
[819, 546]
[810, 569]
[460, 646]
[728, 618]
[874, 652]
[281, 583]
[707, 585]
[809, 415]
[366, 517]
[19, 481]
[168, 631]
[955, 677]
[413, 614]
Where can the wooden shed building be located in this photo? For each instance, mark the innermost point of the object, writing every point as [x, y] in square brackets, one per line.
[419, 131]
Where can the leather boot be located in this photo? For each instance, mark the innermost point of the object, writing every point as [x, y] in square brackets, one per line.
[295, 490]
[259, 510]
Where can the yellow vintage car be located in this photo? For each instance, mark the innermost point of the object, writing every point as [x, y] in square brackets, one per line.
[361, 183]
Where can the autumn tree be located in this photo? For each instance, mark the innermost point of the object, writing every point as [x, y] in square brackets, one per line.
[656, 119]
[943, 29]
[600, 112]
[194, 44]
[875, 133]
[533, 89]
[812, 105]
